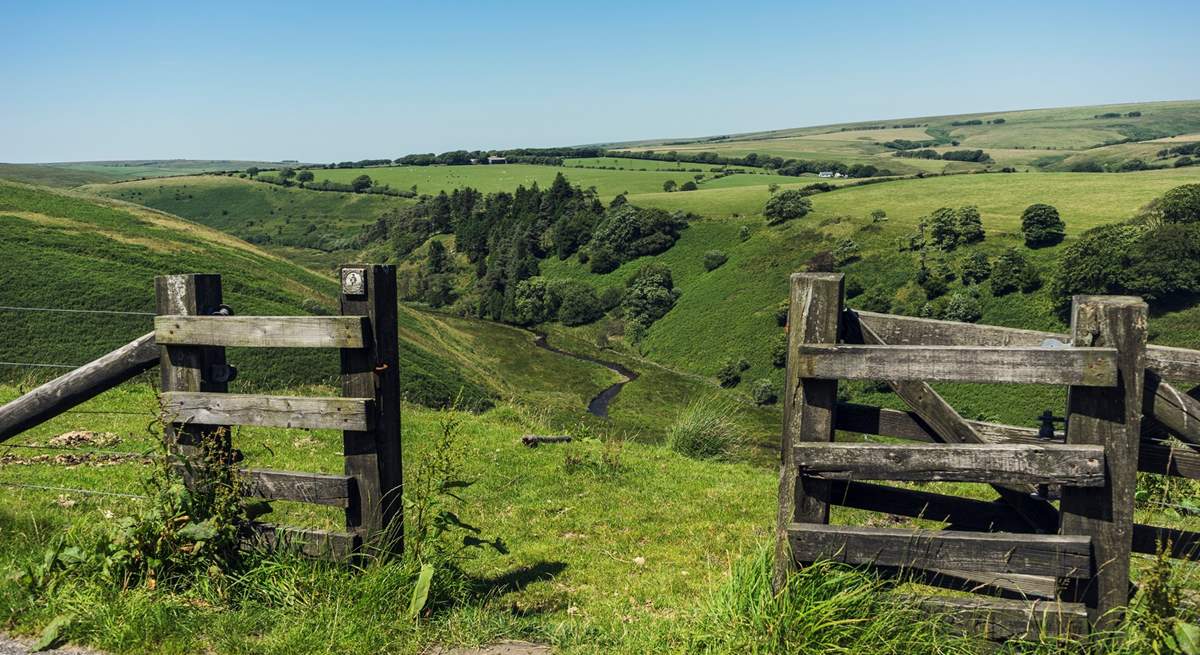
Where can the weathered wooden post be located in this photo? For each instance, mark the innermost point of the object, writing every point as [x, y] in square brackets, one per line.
[814, 316]
[191, 368]
[373, 457]
[1109, 417]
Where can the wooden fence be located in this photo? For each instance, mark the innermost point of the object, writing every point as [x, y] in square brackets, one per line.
[193, 329]
[1059, 569]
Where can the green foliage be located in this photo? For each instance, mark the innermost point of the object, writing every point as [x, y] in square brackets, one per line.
[534, 302]
[878, 216]
[785, 206]
[943, 228]
[764, 392]
[690, 185]
[706, 429]
[1013, 272]
[713, 259]
[627, 232]
[963, 306]
[976, 268]
[361, 183]
[1042, 226]
[1181, 204]
[779, 351]
[669, 186]
[744, 233]
[649, 294]
[730, 373]
[970, 224]
[845, 252]
[577, 302]
[932, 281]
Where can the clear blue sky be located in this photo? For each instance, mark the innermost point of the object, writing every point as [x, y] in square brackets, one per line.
[328, 81]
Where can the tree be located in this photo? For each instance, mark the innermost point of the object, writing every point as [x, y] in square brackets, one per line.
[688, 186]
[730, 373]
[286, 174]
[1042, 226]
[533, 301]
[669, 186]
[361, 183]
[878, 216]
[845, 252]
[772, 188]
[976, 268]
[649, 294]
[578, 303]
[764, 392]
[305, 176]
[786, 206]
[970, 224]
[1013, 272]
[963, 306]
[252, 171]
[1181, 204]
[713, 259]
[943, 228]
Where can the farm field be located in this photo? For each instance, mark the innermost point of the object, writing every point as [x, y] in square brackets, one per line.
[70, 174]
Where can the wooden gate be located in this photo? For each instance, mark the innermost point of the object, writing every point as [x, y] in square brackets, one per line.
[194, 328]
[1050, 568]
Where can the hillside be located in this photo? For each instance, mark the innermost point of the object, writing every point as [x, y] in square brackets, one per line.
[1051, 139]
[70, 174]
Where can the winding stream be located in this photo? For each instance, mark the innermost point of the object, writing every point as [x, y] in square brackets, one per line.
[597, 406]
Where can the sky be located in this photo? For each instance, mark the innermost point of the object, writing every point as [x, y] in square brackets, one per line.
[331, 81]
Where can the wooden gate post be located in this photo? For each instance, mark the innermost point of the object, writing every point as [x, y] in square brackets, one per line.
[814, 316]
[1110, 417]
[190, 368]
[373, 457]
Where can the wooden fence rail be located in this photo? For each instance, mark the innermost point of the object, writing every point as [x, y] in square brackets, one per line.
[1076, 555]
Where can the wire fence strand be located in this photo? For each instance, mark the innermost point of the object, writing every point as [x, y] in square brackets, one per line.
[72, 490]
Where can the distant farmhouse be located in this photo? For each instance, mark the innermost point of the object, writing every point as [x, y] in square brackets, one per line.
[497, 159]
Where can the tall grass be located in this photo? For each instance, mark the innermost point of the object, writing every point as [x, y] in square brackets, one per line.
[706, 429]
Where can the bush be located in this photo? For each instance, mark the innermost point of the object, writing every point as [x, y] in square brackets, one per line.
[786, 206]
[976, 268]
[1096, 262]
[963, 306]
[602, 260]
[533, 302]
[713, 259]
[943, 228]
[933, 283]
[744, 233]
[875, 300]
[764, 393]
[779, 351]
[854, 288]
[730, 373]
[1013, 272]
[705, 430]
[1181, 204]
[361, 183]
[577, 303]
[1041, 226]
[688, 186]
[845, 252]
[970, 224]
[610, 298]
[649, 294]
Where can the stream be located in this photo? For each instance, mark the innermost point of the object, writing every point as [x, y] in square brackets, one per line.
[597, 406]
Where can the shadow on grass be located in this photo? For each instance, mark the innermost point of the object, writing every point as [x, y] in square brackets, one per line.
[518, 578]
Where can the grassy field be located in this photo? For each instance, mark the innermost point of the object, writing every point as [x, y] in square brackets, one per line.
[314, 227]
[613, 547]
[1020, 140]
[70, 174]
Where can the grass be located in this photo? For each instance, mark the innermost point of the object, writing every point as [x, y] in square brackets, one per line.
[70, 174]
[311, 227]
[614, 547]
[705, 430]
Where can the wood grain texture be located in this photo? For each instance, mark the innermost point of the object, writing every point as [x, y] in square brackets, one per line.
[322, 544]
[983, 364]
[1001, 619]
[372, 456]
[262, 331]
[81, 384]
[1063, 556]
[1108, 417]
[950, 427]
[314, 488]
[1182, 544]
[269, 411]
[962, 513]
[1180, 364]
[814, 316]
[1011, 463]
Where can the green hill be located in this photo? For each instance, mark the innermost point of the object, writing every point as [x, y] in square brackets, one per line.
[70, 174]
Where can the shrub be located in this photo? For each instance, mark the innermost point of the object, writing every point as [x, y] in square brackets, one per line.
[781, 313]
[610, 298]
[875, 300]
[779, 351]
[577, 303]
[933, 283]
[713, 259]
[1013, 272]
[786, 206]
[669, 186]
[943, 228]
[688, 186]
[1041, 226]
[976, 268]
[1184, 161]
[744, 233]
[730, 373]
[963, 306]
[533, 302]
[764, 393]
[602, 260]
[705, 430]
[878, 216]
[854, 288]
[361, 183]
[1181, 204]
[845, 252]
[970, 224]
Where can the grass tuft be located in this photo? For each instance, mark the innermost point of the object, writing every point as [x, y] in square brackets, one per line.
[706, 429]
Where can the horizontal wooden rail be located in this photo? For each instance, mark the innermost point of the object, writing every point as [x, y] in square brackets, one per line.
[81, 384]
[315, 488]
[1076, 366]
[325, 544]
[269, 411]
[1001, 619]
[1062, 556]
[1184, 544]
[1154, 456]
[1076, 465]
[1182, 364]
[262, 331]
